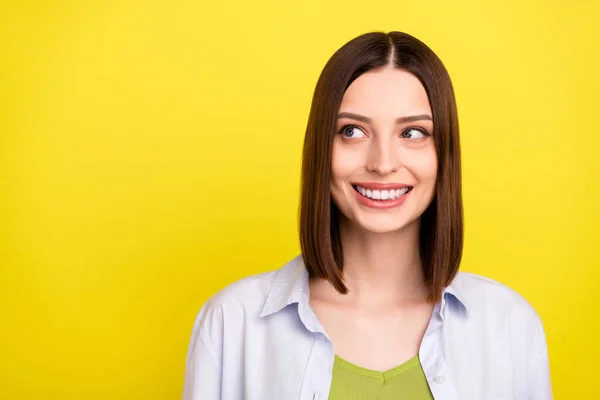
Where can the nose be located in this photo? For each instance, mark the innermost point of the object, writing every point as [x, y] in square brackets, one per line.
[383, 159]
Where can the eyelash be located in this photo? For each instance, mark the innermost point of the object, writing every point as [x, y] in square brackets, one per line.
[423, 131]
[416, 128]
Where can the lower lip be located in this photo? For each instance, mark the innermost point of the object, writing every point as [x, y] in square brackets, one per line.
[381, 204]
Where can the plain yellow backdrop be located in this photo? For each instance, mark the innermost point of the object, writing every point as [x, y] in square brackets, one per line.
[150, 155]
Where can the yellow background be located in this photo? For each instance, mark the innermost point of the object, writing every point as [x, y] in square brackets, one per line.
[150, 155]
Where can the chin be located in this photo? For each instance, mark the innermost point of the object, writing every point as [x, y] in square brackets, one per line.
[383, 224]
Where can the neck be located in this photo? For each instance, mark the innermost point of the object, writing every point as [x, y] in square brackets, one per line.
[382, 267]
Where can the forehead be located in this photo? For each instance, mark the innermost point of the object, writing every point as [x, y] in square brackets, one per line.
[386, 93]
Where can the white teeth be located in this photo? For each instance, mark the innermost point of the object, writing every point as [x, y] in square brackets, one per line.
[382, 194]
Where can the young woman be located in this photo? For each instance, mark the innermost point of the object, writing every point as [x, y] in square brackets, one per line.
[374, 307]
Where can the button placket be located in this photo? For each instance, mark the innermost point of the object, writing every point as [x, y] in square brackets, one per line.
[318, 374]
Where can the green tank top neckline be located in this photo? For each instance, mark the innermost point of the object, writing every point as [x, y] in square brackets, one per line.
[406, 381]
[383, 375]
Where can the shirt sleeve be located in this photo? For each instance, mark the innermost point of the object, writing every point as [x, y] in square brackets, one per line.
[539, 370]
[203, 378]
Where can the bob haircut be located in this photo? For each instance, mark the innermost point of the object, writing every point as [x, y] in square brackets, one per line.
[441, 230]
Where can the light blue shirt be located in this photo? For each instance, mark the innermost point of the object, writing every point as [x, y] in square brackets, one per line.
[258, 339]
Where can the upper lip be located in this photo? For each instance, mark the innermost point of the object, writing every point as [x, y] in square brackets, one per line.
[381, 186]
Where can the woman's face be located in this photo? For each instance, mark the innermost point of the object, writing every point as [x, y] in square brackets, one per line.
[384, 163]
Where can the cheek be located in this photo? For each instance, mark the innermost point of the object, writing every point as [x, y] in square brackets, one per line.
[342, 164]
[425, 167]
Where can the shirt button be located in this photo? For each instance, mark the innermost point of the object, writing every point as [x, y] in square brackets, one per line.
[440, 379]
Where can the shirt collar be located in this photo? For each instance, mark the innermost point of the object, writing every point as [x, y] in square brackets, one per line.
[456, 295]
[291, 287]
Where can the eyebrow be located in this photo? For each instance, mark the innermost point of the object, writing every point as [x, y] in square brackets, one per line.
[401, 120]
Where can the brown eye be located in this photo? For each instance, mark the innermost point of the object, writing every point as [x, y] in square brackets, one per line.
[352, 132]
[413, 133]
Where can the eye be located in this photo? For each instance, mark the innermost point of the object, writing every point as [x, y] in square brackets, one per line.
[414, 133]
[352, 132]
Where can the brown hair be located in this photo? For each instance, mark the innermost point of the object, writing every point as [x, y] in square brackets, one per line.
[441, 232]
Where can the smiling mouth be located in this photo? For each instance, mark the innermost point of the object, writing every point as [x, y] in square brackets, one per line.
[383, 195]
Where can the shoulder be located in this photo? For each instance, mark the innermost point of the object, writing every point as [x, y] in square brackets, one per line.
[242, 301]
[487, 298]
[229, 310]
[244, 296]
[250, 291]
[236, 309]
[504, 324]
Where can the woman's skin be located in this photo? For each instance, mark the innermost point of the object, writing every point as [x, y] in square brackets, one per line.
[380, 323]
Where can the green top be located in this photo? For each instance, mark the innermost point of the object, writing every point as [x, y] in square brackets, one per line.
[404, 382]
